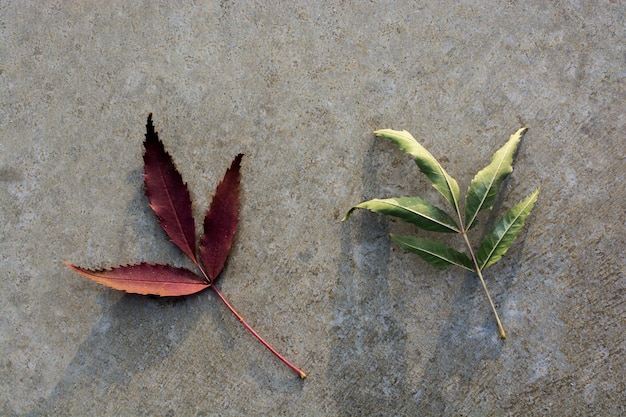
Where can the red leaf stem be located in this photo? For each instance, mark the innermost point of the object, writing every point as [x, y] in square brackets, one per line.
[259, 338]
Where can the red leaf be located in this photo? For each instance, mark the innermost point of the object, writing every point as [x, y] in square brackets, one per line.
[220, 222]
[170, 201]
[146, 279]
[168, 194]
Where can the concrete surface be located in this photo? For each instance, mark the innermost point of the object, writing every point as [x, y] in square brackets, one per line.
[298, 87]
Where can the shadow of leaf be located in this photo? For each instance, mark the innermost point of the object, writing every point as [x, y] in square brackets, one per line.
[368, 359]
[459, 352]
[134, 335]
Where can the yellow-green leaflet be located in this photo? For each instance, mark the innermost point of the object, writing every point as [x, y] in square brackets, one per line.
[412, 210]
[484, 187]
[435, 253]
[427, 163]
[501, 237]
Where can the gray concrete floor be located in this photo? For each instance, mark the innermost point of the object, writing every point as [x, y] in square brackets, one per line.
[299, 87]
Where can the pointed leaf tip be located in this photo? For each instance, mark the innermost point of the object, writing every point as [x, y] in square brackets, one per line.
[149, 126]
[146, 279]
[220, 222]
[168, 194]
[348, 213]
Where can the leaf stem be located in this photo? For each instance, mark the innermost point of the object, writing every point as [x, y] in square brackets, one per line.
[246, 325]
[482, 281]
[260, 339]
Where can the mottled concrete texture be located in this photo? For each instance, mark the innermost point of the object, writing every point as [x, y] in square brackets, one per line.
[299, 87]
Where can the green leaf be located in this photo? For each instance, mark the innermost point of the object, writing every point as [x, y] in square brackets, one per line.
[484, 187]
[501, 237]
[427, 163]
[412, 210]
[435, 253]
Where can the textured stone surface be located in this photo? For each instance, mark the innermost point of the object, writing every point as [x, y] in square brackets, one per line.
[298, 88]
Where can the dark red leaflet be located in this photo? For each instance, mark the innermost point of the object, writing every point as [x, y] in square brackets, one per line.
[168, 194]
[146, 279]
[220, 222]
